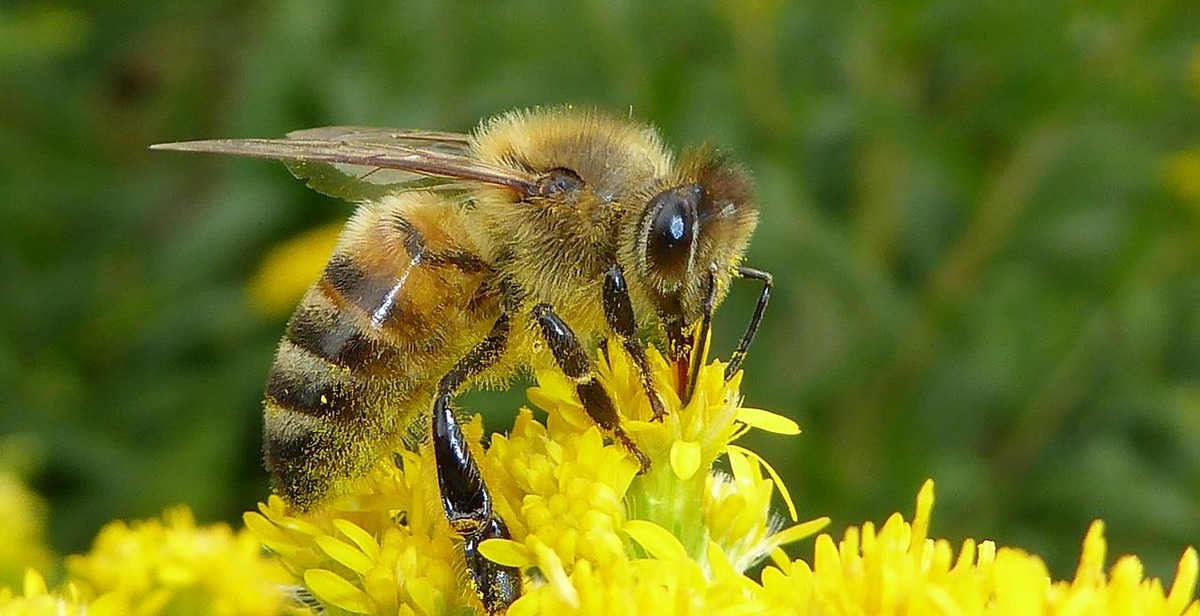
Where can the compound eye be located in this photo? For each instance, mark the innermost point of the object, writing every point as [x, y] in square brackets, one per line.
[558, 181]
[672, 229]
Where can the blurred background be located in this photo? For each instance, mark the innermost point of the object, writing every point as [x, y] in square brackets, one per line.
[982, 219]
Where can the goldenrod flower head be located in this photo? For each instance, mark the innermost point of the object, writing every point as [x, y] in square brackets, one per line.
[36, 599]
[590, 533]
[608, 540]
[385, 549]
[593, 536]
[174, 566]
[167, 566]
[898, 569]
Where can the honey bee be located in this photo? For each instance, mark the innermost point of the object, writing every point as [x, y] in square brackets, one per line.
[471, 257]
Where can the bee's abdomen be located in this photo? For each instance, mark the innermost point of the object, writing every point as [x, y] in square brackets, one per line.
[317, 415]
[401, 301]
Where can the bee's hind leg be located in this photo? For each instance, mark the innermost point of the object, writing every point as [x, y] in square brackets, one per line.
[465, 498]
[618, 311]
[575, 363]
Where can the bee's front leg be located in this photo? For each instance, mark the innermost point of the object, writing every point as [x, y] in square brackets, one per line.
[575, 363]
[618, 311]
[465, 497]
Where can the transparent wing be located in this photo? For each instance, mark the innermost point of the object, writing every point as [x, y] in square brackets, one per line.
[360, 163]
[358, 183]
[444, 142]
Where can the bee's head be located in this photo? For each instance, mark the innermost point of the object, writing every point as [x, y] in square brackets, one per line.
[691, 236]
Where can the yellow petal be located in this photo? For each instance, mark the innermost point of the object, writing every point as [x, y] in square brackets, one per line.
[110, 604]
[507, 552]
[423, 594]
[780, 558]
[552, 567]
[685, 459]
[344, 553]
[739, 465]
[925, 500]
[299, 526]
[154, 603]
[331, 588]
[783, 491]
[767, 421]
[262, 527]
[35, 584]
[719, 563]
[527, 605]
[1091, 562]
[360, 537]
[800, 531]
[655, 539]
[1184, 587]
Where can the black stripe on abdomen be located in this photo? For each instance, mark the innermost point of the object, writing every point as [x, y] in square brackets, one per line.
[306, 384]
[333, 335]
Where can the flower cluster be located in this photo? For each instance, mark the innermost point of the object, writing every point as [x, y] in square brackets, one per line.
[167, 566]
[898, 569]
[590, 535]
[593, 535]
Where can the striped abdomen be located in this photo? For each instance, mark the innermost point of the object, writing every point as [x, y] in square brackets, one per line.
[404, 296]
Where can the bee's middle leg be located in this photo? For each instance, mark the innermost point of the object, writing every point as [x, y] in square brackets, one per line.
[573, 360]
[465, 497]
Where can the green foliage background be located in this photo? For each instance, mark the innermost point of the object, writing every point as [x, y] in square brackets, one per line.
[984, 274]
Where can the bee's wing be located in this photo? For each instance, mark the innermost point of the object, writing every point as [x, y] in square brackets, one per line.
[357, 183]
[447, 143]
[358, 163]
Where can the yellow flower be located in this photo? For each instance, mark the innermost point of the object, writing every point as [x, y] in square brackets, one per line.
[591, 534]
[36, 599]
[898, 569]
[167, 566]
[385, 549]
[611, 541]
[172, 566]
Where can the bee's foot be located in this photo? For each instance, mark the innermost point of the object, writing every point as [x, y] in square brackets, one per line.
[660, 413]
[498, 585]
[642, 459]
